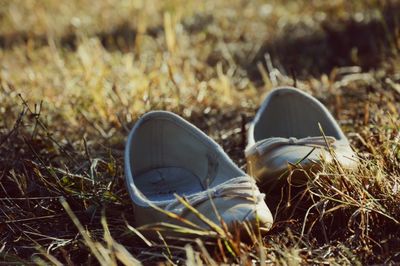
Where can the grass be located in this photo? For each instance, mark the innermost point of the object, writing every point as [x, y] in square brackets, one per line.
[75, 76]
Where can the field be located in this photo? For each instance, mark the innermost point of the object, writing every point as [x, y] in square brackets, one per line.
[75, 76]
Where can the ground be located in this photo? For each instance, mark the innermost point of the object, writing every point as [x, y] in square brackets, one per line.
[76, 75]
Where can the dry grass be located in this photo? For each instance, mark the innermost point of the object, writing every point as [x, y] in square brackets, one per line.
[76, 75]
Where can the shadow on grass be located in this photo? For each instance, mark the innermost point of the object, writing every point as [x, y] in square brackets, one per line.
[305, 51]
[121, 38]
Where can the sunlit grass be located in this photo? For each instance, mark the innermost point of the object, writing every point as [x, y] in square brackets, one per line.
[76, 75]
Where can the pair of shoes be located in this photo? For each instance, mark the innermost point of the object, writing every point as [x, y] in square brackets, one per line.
[173, 167]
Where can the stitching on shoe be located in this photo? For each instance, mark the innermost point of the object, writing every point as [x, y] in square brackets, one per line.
[212, 169]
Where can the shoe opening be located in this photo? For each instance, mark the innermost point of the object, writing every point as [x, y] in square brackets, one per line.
[168, 155]
[290, 113]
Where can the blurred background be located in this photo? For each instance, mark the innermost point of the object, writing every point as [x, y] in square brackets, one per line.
[209, 47]
[75, 75]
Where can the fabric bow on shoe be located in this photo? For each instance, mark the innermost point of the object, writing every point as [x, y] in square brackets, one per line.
[241, 187]
[266, 145]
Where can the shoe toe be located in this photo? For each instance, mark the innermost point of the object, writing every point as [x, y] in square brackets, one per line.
[233, 212]
[298, 155]
[274, 165]
[254, 214]
[260, 216]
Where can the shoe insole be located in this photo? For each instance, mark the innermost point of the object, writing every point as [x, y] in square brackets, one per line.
[162, 183]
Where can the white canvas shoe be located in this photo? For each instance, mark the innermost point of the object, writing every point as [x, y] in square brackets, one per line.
[167, 156]
[286, 131]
